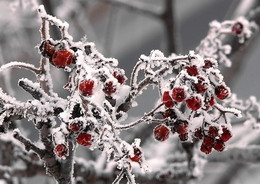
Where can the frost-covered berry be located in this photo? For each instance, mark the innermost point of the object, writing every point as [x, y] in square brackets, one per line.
[200, 87]
[205, 149]
[47, 49]
[137, 155]
[84, 139]
[194, 103]
[213, 131]
[61, 150]
[183, 137]
[109, 88]
[226, 135]
[62, 58]
[198, 133]
[207, 64]
[167, 100]
[237, 28]
[178, 94]
[181, 126]
[221, 92]
[207, 145]
[192, 70]
[75, 126]
[170, 113]
[119, 76]
[86, 87]
[161, 132]
[219, 145]
[208, 141]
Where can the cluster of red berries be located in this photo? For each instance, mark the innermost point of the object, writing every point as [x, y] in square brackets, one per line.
[193, 98]
[58, 57]
[86, 86]
[83, 137]
[212, 138]
[161, 132]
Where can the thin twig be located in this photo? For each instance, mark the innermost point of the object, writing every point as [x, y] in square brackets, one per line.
[20, 65]
[144, 118]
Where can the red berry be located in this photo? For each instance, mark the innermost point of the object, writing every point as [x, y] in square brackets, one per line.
[208, 141]
[183, 137]
[167, 100]
[194, 103]
[47, 49]
[75, 126]
[120, 77]
[86, 87]
[213, 131]
[207, 64]
[221, 92]
[237, 28]
[219, 145]
[161, 132]
[226, 135]
[62, 58]
[84, 139]
[181, 126]
[137, 155]
[200, 87]
[207, 144]
[61, 150]
[205, 149]
[198, 133]
[178, 94]
[192, 70]
[170, 113]
[109, 88]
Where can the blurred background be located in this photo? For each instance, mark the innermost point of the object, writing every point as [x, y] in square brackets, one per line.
[125, 34]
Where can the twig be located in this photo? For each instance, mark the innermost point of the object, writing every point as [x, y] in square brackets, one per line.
[144, 118]
[44, 75]
[28, 144]
[21, 65]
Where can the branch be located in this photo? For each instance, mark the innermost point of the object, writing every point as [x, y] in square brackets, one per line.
[44, 77]
[169, 23]
[144, 118]
[32, 88]
[20, 65]
[27, 143]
